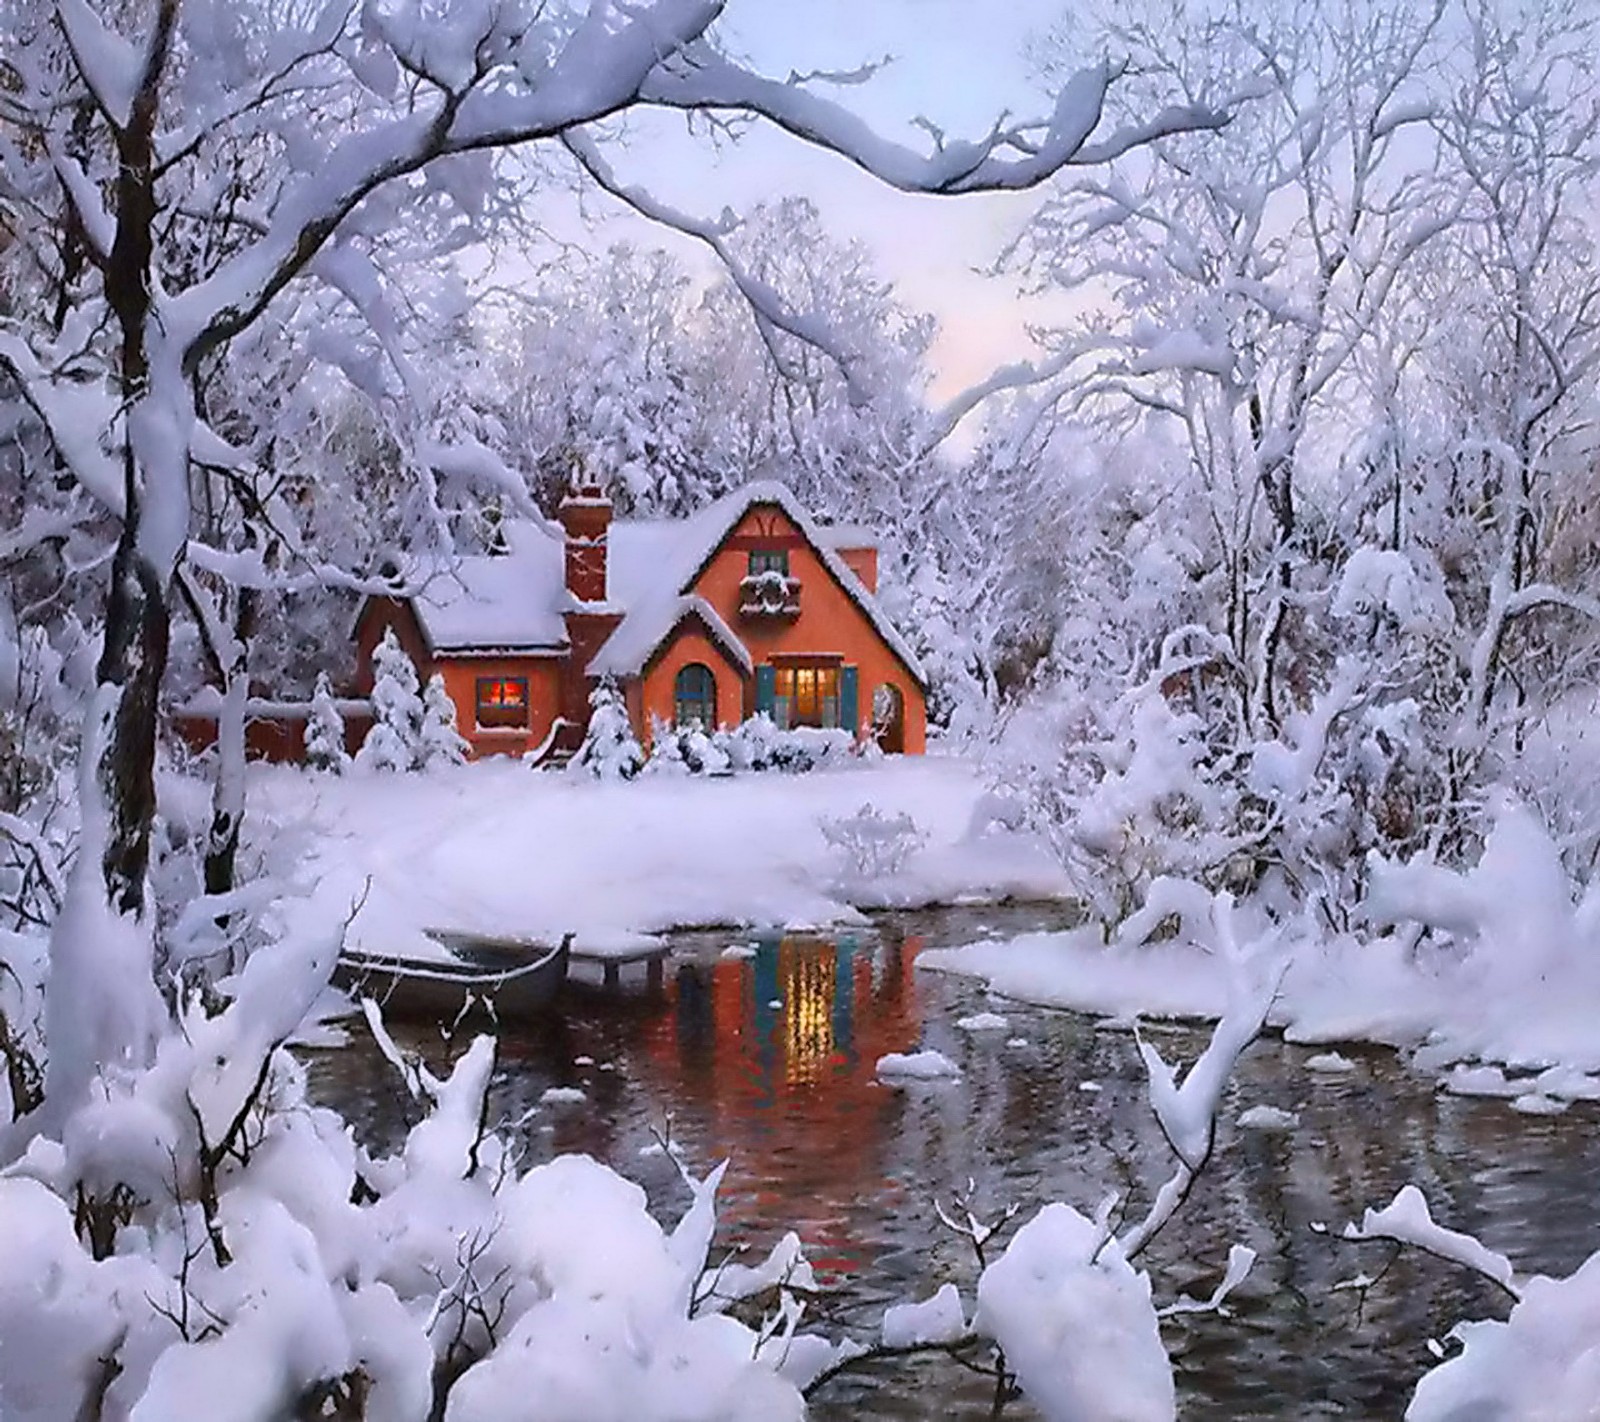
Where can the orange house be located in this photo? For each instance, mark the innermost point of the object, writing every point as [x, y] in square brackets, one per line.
[749, 606]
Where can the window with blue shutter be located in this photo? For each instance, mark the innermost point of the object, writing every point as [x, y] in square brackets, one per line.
[766, 689]
[849, 703]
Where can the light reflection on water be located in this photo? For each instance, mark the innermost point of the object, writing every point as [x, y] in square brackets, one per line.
[769, 1060]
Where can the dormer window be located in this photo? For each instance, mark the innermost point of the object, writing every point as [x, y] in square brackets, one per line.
[769, 560]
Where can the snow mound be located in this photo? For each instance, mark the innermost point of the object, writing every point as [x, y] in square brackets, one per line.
[1541, 1364]
[1077, 1324]
[935, 1320]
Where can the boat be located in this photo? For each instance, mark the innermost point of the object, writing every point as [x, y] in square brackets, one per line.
[494, 978]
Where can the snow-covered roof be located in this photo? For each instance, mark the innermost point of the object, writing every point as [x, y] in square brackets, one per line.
[711, 525]
[514, 601]
[638, 635]
[846, 535]
[510, 601]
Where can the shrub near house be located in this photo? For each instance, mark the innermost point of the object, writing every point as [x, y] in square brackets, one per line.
[750, 606]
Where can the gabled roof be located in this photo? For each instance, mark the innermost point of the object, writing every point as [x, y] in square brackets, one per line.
[629, 648]
[514, 601]
[713, 524]
[509, 601]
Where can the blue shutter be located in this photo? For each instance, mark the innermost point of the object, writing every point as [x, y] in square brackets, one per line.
[766, 688]
[847, 701]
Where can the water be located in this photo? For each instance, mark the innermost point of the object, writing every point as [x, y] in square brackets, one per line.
[769, 1060]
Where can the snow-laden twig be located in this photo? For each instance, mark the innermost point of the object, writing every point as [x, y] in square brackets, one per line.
[1407, 1220]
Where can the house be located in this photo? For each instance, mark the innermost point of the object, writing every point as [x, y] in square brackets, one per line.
[748, 606]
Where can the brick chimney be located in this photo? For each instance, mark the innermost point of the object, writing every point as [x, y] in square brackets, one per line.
[585, 514]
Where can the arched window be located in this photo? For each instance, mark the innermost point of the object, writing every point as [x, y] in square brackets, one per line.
[694, 697]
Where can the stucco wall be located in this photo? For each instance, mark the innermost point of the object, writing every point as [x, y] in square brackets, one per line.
[544, 689]
[688, 645]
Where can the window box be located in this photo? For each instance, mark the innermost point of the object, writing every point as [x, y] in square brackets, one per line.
[769, 594]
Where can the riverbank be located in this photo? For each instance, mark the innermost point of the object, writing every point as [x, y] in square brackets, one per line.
[496, 848]
[1489, 977]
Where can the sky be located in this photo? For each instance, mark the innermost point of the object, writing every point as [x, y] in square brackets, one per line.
[958, 63]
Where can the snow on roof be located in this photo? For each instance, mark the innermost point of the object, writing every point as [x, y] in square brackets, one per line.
[729, 509]
[509, 601]
[846, 535]
[514, 601]
[638, 635]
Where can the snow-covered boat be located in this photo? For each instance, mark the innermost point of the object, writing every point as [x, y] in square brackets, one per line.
[489, 977]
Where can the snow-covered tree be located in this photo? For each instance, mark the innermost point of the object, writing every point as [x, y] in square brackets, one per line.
[394, 742]
[439, 742]
[325, 730]
[610, 750]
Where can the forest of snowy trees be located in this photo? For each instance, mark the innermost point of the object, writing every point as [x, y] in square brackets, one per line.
[1271, 574]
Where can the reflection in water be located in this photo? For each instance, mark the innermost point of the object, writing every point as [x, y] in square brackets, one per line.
[769, 1061]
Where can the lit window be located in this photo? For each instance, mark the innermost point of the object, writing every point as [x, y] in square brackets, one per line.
[769, 560]
[502, 701]
[806, 696]
[695, 697]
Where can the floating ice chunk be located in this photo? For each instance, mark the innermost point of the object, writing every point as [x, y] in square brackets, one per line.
[918, 1066]
[563, 1096]
[983, 1022]
[1568, 1084]
[1480, 1081]
[1268, 1118]
[1330, 1063]
[1090, 1086]
[1534, 1103]
[1017, 1042]
[939, 1319]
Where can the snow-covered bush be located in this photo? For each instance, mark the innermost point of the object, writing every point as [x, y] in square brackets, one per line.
[610, 750]
[218, 1244]
[325, 730]
[872, 843]
[806, 748]
[439, 742]
[748, 745]
[686, 750]
[393, 742]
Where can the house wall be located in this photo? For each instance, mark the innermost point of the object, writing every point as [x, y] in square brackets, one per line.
[544, 700]
[863, 562]
[830, 622]
[378, 613]
[657, 688]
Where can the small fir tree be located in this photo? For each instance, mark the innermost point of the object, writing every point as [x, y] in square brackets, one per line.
[394, 742]
[325, 730]
[441, 742]
[666, 750]
[610, 750]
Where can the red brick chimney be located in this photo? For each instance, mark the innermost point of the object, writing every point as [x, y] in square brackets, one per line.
[585, 514]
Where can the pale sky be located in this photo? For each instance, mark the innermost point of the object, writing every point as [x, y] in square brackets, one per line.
[959, 63]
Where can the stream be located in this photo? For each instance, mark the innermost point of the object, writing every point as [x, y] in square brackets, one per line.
[766, 1056]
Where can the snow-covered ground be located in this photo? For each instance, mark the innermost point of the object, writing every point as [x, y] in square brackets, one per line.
[496, 848]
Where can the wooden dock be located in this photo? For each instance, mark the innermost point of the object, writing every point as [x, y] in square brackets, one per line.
[652, 955]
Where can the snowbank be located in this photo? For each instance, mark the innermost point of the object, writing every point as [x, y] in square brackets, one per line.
[1508, 973]
[496, 848]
